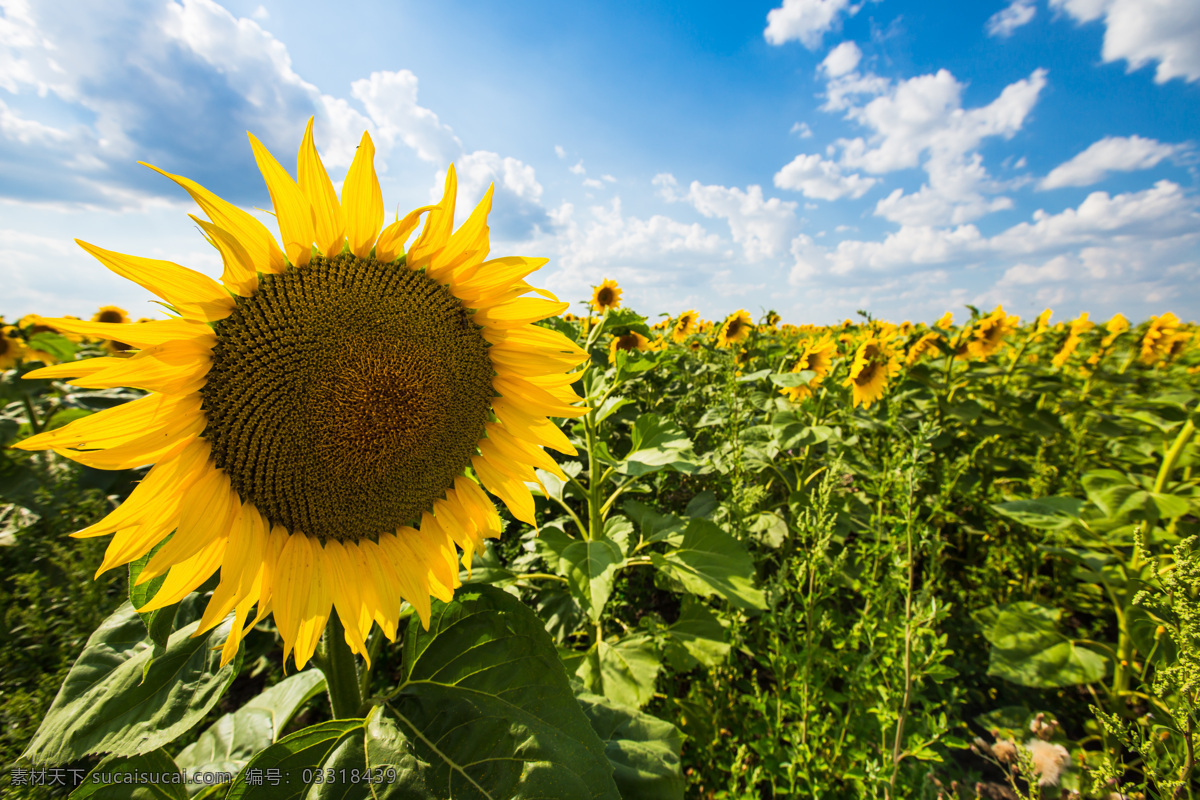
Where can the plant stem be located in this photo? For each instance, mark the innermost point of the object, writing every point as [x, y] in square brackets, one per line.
[1172, 457]
[341, 671]
[34, 424]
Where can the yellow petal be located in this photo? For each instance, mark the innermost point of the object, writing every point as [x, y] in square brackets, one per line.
[391, 242]
[410, 573]
[521, 452]
[187, 576]
[242, 563]
[273, 542]
[362, 199]
[318, 601]
[388, 587]
[538, 430]
[238, 274]
[328, 221]
[194, 295]
[519, 312]
[205, 513]
[73, 369]
[116, 425]
[496, 274]
[438, 225]
[293, 211]
[467, 247]
[534, 398]
[253, 235]
[173, 368]
[344, 582]
[148, 449]
[292, 581]
[479, 507]
[137, 334]
[510, 490]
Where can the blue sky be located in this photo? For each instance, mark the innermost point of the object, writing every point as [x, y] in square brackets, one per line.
[809, 156]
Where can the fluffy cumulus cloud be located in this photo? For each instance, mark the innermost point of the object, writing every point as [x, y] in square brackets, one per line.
[921, 122]
[761, 226]
[516, 203]
[842, 59]
[1110, 154]
[177, 84]
[805, 21]
[821, 179]
[1005, 21]
[1141, 32]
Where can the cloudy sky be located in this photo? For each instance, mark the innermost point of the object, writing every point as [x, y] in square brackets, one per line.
[809, 156]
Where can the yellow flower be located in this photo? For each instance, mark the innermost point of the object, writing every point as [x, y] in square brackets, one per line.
[736, 328]
[988, 335]
[926, 345]
[311, 436]
[606, 296]
[1074, 337]
[817, 357]
[945, 321]
[629, 341]
[685, 325]
[1159, 339]
[12, 349]
[873, 365]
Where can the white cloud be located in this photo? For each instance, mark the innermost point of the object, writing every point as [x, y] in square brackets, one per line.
[805, 21]
[1004, 22]
[759, 225]
[592, 183]
[609, 178]
[821, 179]
[802, 130]
[842, 59]
[578, 169]
[1142, 31]
[921, 122]
[559, 151]
[1110, 154]
[261, 14]
[390, 99]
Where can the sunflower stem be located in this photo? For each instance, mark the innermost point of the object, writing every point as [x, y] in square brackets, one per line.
[341, 671]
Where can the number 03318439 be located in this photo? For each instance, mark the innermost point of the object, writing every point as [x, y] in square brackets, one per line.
[346, 776]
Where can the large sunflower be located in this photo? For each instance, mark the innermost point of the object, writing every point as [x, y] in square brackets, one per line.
[606, 296]
[870, 371]
[736, 328]
[316, 422]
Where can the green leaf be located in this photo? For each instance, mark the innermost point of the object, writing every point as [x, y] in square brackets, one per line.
[106, 705]
[230, 742]
[656, 527]
[485, 705]
[644, 750]
[1044, 513]
[711, 562]
[696, 637]
[159, 622]
[1028, 649]
[624, 671]
[754, 376]
[658, 443]
[588, 566]
[611, 406]
[1169, 506]
[113, 787]
[702, 505]
[278, 772]
[769, 529]
[55, 344]
[792, 379]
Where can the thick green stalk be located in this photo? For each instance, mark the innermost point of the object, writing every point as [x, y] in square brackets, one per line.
[341, 671]
[1172, 457]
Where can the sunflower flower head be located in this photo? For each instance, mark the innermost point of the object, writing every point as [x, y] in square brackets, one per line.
[1159, 339]
[873, 366]
[817, 357]
[736, 328]
[927, 345]
[989, 334]
[12, 348]
[631, 341]
[684, 325]
[606, 296]
[311, 418]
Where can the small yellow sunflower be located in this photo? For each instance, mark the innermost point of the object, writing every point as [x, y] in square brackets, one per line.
[1159, 339]
[870, 371]
[12, 349]
[1078, 327]
[311, 419]
[629, 341]
[988, 335]
[927, 345]
[606, 296]
[111, 314]
[817, 357]
[736, 328]
[685, 325]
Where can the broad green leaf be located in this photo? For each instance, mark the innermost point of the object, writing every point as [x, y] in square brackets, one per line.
[644, 750]
[230, 742]
[754, 376]
[278, 772]
[485, 706]
[1169, 506]
[793, 379]
[696, 637]
[1044, 513]
[116, 778]
[589, 566]
[107, 705]
[768, 528]
[656, 527]
[702, 505]
[658, 443]
[158, 622]
[611, 406]
[800, 435]
[711, 562]
[624, 671]
[55, 344]
[1028, 649]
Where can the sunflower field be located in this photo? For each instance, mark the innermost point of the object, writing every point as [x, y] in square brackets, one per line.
[737, 558]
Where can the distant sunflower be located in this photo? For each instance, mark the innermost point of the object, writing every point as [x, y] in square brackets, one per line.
[927, 345]
[12, 349]
[1160, 339]
[629, 341]
[312, 420]
[1078, 327]
[817, 357]
[989, 334]
[736, 328]
[606, 296]
[870, 371]
[684, 326]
